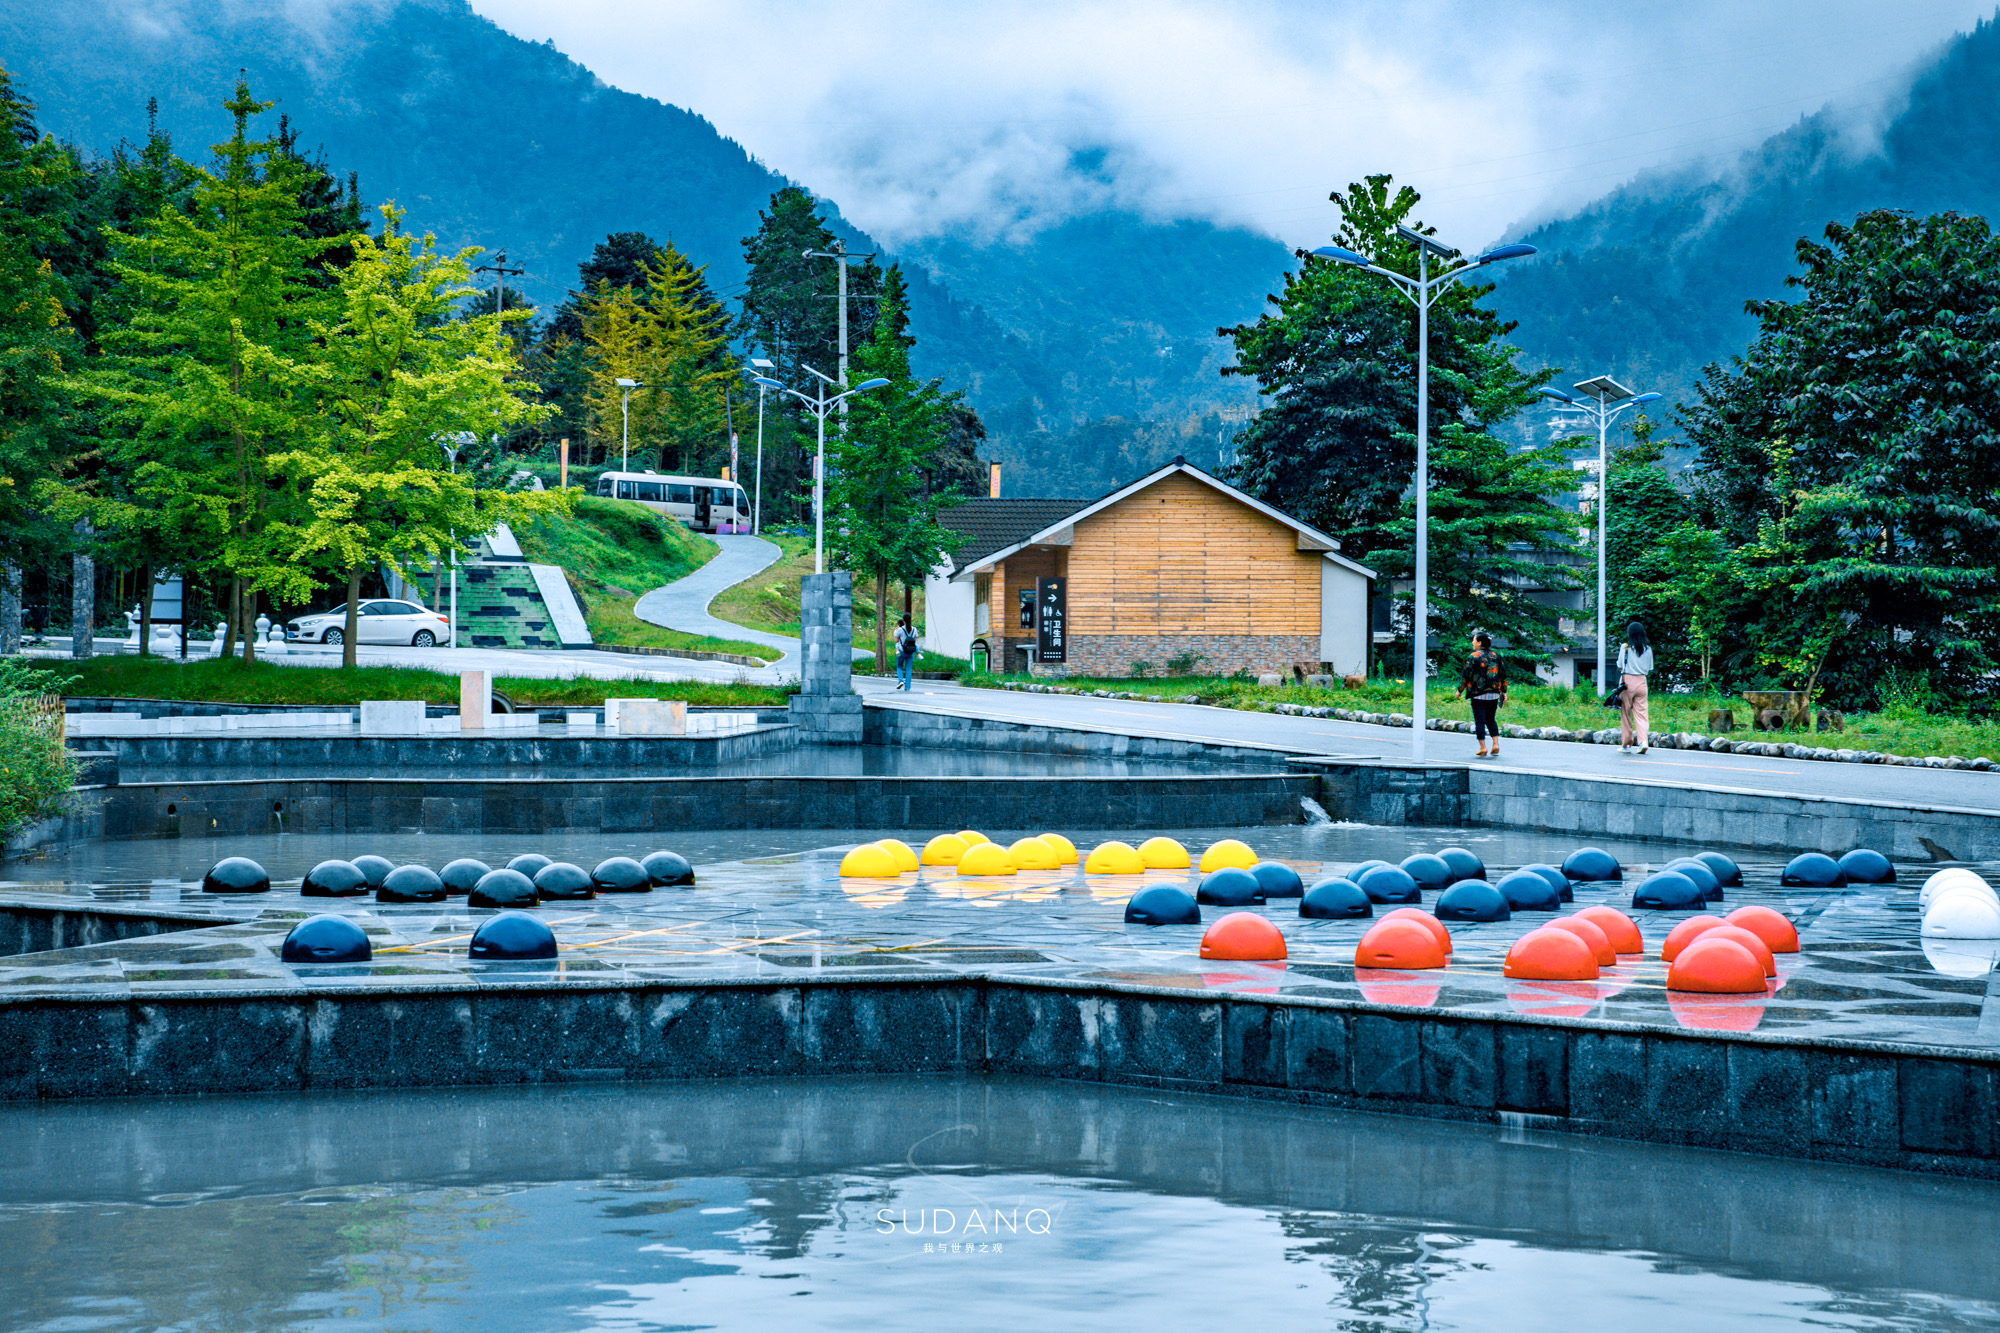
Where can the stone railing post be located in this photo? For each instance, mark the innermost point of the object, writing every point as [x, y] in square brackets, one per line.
[826, 708]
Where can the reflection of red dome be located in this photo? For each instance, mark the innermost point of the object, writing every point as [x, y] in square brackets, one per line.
[1553, 999]
[1410, 989]
[1771, 927]
[1424, 919]
[1717, 1013]
[1245, 982]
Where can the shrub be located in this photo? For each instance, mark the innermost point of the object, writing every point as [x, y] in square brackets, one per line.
[35, 770]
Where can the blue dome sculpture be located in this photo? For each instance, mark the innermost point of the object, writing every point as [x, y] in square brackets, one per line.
[1592, 865]
[1472, 900]
[1727, 873]
[334, 879]
[459, 876]
[1229, 887]
[1668, 891]
[1813, 870]
[561, 880]
[668, 869]
[512, 936]
[326, 938]
[1557, 880]
[1525, 891]
[621, 874]
[529, 863]
[1389, 884]
[236, 874]
[374, 869]
[411, 884]
[1862, 866]
[1464, 864]
[1163, 905]
[1697, 870]
[1430, 872]
[1335, 899]
[1278, 880]
[503, 888]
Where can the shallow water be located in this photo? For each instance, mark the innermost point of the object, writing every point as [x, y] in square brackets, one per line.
[825, 1203]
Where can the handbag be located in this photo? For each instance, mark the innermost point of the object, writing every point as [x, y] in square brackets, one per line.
[1616, 699]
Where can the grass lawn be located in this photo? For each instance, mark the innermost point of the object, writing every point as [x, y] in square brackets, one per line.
[615, 551]
[213, 680]
[1903, 731]
[770, 602]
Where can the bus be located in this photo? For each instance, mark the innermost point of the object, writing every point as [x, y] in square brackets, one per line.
[706, 504]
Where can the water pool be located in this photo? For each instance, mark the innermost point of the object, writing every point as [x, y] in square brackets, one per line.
[851, 1203]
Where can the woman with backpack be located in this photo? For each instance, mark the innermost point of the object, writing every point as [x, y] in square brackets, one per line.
[906, 652]
[1635, 663]
[1485, 681]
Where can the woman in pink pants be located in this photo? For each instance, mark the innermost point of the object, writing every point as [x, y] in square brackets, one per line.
[1635, 663]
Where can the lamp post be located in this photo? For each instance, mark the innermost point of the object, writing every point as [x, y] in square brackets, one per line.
[625, 437]
[819, 406]
[451, 453]
[1422, 291]
[1600, 399]
[760, 368]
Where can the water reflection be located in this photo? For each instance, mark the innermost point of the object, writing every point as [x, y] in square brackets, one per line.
[961, 1203]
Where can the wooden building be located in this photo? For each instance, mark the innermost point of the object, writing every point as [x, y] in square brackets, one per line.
[1178, 570]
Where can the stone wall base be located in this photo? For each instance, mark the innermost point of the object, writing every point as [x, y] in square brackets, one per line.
[1216, 654]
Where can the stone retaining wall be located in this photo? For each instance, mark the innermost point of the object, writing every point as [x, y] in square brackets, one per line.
[1914, 1107]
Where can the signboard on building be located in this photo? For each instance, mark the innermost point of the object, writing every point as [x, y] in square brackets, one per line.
[1051, 621]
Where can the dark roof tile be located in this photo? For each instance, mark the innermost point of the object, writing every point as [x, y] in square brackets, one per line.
[987, 525]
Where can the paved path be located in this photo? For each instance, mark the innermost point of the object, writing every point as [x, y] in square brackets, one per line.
[683, 604]
[1303, 735]
[543, 665]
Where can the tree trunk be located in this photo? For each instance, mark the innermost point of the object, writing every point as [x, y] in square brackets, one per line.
[146, 610]
[82, 599]
[882, 664]
[10, 609]
[347, 656]
[234, 605]
[249, 626]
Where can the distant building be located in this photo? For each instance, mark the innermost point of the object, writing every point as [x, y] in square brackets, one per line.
[1176, 568]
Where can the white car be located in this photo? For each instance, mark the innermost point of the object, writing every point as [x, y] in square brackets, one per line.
[380, 621]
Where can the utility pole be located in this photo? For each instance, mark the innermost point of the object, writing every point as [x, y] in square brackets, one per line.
[499, 270]
[838, 254]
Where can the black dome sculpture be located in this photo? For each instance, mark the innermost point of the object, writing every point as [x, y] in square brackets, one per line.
[503, 888]
[668, 869]
[621, 874]
[326, 938]
[1278, 880]
[1229, 887]
[1472, 900]
[461, 875]
[1163, 905]
[1592, 865]
[411, 884]
[561, 880]
[236, 874]
[1335, 899]
[334, 879]
[511, 937]
[374, 869]
[1668, 891]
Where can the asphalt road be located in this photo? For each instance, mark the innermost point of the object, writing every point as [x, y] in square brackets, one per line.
[1300, 735]
[683, 604]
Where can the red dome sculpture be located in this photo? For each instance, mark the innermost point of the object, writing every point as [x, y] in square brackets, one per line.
[1621, 930]
[1243, 937]
[1551, 955]
[1767, 925]
[1401, 943]
[1424, 919]
[1716, 967]
[1590, 933]
[1686, 933]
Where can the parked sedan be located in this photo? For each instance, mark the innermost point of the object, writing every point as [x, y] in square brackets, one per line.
[380, 621]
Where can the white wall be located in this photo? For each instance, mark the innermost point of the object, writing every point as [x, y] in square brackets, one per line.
[948, 615]
[1343, 619]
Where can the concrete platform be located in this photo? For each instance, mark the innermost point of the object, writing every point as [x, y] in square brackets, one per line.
[1868, 1048]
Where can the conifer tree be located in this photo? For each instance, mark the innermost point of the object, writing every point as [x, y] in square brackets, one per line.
[667, 333]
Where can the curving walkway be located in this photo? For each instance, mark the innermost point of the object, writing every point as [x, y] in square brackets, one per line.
[683, 604]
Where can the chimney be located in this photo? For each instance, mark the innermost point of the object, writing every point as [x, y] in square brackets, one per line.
[993, 486]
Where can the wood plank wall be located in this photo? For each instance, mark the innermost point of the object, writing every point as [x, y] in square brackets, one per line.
[1182, 558]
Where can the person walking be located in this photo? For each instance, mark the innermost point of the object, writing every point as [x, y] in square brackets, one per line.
[1635, 663]
[1485, 681]
[906, 652]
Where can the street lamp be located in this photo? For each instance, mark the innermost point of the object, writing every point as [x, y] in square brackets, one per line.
[452, 450]
[1422, 291]
[819, 406]
[625, 439]
[761, 367]
[1607, 398]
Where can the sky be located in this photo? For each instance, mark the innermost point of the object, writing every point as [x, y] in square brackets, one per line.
[922, 118]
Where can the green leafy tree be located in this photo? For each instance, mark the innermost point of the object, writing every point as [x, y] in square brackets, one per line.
[667, 333]
[881, 509]
[1336, 363]
[1850, 454]
[396, 377]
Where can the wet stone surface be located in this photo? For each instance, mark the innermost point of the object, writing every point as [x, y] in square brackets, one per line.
[788, 917]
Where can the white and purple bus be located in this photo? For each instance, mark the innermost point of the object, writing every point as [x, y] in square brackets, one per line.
[706, 504]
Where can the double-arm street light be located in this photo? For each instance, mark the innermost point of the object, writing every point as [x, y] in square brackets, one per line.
[625, 388]
[1600, 400]
[819, 405]
[759, 368]
[1423, 290]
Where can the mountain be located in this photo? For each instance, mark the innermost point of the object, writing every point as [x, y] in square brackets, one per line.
[1649, 282]
[491, 140]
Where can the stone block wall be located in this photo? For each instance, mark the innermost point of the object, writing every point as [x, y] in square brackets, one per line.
[1220, 654]
[826, 709]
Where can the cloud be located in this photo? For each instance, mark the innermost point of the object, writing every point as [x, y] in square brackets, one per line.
[922, 118]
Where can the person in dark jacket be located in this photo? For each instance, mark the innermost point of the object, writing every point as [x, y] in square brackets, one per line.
[1484, 681]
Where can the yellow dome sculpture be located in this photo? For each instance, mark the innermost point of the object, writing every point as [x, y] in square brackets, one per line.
[944, 850]
[869, 862]
[986, 859]
[1228, 852]
[1163, 854]
[1034, 854]
[1065, 849]
[1114, 858]
[972, 837]
[906, 855]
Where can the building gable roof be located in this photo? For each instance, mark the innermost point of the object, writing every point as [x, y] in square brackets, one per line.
[1074, 512]
[986, 526]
